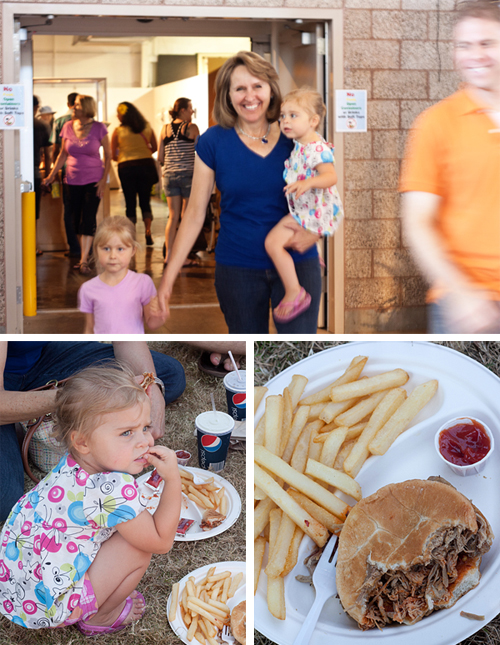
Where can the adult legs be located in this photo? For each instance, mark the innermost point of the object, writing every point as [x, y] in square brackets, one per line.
[11, 470]
[129, 186]
[144, 187]
[174, 203]
[69, 224]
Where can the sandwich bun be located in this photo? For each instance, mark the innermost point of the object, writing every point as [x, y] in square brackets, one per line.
[239, 622]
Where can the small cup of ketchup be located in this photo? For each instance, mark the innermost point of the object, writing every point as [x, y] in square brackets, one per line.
[465, 445]
[183, 457]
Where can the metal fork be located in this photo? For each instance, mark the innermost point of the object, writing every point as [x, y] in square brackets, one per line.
[325, 586]
[227, 635]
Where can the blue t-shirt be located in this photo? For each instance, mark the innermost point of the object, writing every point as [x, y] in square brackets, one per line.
[252, 198]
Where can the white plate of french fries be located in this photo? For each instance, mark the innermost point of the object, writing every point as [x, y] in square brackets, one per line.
[440, 384]
[201, 490]
[201, 603]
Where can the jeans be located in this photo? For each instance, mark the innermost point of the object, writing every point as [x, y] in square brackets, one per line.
[244, 296]
[438, 324]
[58, 361]
[175, 184]
[69, 224]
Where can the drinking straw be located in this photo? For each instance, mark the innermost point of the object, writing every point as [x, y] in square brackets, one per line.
[234, 364]
[214, 408]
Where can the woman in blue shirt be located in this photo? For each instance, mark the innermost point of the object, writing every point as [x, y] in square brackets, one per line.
[245, 155]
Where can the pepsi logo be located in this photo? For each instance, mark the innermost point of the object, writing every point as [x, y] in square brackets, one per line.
[240, 400]
[211, 443]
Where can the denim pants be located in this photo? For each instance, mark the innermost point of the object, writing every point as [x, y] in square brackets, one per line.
[58, 361]
[244, 296]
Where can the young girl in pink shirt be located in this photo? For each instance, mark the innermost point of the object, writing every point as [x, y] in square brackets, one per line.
[118, 300]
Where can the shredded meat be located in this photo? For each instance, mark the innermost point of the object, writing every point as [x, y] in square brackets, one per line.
[396, 596]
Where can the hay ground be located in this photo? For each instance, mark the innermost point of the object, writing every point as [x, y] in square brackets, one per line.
[164, 570]
[272, 358]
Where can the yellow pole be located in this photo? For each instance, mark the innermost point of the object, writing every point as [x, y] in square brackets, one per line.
[29, 254]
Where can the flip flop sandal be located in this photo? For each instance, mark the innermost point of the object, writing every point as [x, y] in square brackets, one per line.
[292, 309]
[84, 268]
[118, 625]
[206, 365]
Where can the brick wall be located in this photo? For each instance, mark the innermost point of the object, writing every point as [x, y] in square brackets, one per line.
[399, 51]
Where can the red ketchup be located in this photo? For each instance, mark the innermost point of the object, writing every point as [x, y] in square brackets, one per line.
[464, 443]
[182, 454]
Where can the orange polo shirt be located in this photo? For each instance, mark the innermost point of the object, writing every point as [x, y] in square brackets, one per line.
[454, 152]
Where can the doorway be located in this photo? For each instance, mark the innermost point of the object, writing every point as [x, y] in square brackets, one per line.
[305, 46]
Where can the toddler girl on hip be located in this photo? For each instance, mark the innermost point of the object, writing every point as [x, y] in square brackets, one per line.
[118, 300]
[74, 548]
[312, 196]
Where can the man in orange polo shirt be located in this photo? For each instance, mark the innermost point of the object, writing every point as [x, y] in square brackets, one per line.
[451, 184]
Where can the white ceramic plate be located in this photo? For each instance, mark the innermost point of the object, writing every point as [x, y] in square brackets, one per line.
[465, 388]
[190, 510]
[234, 567]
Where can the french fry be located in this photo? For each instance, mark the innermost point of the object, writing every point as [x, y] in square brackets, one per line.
[274, 527]
[261, 515]
[299, 457]
[259, 434]
[296, 388]
[276, 597]
[384, 411]
[363, 387]
[400, 420]
[359, 411]
[298, 423]
[284, 538]
[200, 638]
[314, 448]
[192, 629]
[331, 446]
[235, 583]
[352, 432]
[306, 522]
[329, 520]
[287, 420]
[301, 483]
[215, 611]
[315, 410]
[323, 396]
[293, 551]
[274, 422]
[223, 507]
[343, 452]
[259, 548]
[186, 474]
[351, 374]
[174, 601]
[332, 410]
[259, 393]
[335, 478]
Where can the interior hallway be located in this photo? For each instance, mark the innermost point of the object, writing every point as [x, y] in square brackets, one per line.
[193, 309]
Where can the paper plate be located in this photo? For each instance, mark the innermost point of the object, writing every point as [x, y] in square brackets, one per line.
[192, 511]
[465, 388]
[234, 567]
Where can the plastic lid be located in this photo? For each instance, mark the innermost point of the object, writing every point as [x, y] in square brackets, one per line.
[232, 383]
[215, 422]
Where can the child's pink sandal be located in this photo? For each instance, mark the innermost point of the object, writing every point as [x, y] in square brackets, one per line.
[118, 625]
[288, 311]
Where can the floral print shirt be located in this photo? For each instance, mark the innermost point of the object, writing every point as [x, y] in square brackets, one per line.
[52, 536]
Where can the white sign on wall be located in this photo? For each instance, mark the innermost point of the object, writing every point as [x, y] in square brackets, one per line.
[350, 109]
[11, 107]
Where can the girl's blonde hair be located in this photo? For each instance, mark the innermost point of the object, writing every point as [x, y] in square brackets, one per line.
[224, 113]
[116, 225]
[85, 397]
[310, 100]
[89, 107]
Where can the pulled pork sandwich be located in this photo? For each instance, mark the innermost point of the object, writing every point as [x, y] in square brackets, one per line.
[239, 622]
[211, 519]
[407, 550]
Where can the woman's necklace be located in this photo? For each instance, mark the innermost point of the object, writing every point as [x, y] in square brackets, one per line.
[82, 130]
[263, 139]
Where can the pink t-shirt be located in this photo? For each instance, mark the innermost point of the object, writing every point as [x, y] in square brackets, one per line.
[117, 309]
[84, 165]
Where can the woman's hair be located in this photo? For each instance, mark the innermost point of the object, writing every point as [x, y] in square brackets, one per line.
[223, 113]
[485, 9]
[180, 104]
[131, 117]
[115, 225]
[89, 107]
[85, 397]
[308, 99]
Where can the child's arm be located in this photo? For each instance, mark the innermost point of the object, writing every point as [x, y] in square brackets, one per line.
[326, 178]
[156, 533]
[89, 324]
[153, 316]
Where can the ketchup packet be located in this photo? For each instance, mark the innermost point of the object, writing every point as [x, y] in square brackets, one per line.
[155, 480]
[184, 526]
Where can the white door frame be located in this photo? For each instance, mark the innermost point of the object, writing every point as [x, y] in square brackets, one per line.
[12, 197]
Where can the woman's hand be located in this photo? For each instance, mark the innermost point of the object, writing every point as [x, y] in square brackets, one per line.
[164, 295]
[164, 460]
[302, 239]
[101, 185]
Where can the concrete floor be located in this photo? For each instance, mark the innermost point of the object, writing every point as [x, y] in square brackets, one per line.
[194, 307]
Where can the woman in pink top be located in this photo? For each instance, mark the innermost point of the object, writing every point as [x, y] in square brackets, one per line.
[86, 174]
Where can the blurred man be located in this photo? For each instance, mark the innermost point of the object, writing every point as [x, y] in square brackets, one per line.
[41, 149]
[72, 239]
[451, 184]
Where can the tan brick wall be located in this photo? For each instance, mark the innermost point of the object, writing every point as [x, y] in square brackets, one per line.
[399, 51]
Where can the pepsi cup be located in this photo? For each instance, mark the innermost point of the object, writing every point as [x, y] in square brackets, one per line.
[236, 394]
[214, 432]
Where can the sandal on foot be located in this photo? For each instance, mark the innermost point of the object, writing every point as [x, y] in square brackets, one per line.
[287, 311]
[84, 268]
[206, 365]
[118, 625]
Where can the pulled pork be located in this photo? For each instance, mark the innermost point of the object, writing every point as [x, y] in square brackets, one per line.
[396, 596]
